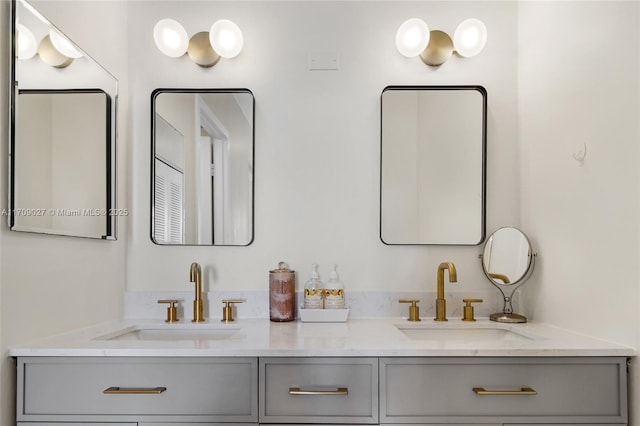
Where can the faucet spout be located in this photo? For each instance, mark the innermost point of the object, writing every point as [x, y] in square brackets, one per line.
[441, 303]
[195, 276]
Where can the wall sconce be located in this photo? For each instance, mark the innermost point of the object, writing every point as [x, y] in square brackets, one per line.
[224, 40]
[54, 49]
[435, 47]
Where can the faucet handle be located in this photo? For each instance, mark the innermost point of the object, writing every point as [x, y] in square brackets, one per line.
[172, 311]
[227, 309]
[414, 310]
[468, 309]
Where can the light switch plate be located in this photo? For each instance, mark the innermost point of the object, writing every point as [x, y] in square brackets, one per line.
[323, 61]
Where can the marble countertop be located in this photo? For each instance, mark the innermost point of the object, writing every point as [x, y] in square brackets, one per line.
[356, 337]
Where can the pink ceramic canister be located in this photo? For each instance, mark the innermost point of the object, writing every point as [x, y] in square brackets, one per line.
[282, 294]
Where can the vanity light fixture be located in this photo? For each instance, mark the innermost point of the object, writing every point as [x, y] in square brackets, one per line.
[54, 49]
[224, 40]
[414, 38]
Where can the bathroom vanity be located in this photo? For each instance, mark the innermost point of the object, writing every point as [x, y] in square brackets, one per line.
[375, 371]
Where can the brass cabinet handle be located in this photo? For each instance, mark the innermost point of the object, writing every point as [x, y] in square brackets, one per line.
[116, 390]
[521, 391]
[338, 391]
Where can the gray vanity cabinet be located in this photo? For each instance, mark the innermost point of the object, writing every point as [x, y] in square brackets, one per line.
[281, 391]
[586, 390]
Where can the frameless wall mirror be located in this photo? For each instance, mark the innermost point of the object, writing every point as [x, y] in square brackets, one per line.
[432, 178]
[508, 261]
[202, 167]
[62, 133]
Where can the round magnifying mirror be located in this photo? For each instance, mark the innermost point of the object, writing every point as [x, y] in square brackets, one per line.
[507, 261]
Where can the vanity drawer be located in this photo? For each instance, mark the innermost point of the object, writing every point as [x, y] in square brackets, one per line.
[319, 390]
[138, 389]
[75, 424]
[567, 390]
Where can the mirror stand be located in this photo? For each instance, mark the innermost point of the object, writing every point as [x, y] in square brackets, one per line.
[507, 315]
[507, 250]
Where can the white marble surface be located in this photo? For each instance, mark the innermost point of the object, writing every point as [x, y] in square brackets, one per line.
[372, 330]
[356, 337]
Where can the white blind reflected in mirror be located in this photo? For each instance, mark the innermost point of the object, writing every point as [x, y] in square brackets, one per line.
[169, 205]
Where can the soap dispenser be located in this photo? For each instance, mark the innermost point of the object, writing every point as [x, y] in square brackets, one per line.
[334, 291]
[314, 290]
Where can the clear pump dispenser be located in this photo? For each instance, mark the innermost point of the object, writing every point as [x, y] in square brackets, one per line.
[314, 290]
[334, 291]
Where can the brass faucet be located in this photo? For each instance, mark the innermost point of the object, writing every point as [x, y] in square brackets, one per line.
[441, 303]
[195, 276]
[501, 277]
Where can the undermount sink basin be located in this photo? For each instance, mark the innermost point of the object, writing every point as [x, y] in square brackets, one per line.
[175, 332]
[437, 332]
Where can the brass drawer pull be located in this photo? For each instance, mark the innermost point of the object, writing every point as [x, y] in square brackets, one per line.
[116, 390]
[522, 391]
[338, 391]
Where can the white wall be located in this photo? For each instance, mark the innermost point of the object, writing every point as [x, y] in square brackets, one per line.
[578, 83]
[318, 138]
[50, 284]
[584, 219]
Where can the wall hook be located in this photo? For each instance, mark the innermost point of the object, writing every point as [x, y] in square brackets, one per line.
[580, 154]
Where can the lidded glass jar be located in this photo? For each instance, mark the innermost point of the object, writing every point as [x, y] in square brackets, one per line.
[282, 294]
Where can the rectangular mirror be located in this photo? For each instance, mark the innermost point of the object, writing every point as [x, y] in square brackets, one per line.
[202, 167]
[62, 133]
[432, 178]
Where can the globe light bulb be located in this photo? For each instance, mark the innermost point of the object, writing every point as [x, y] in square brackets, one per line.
[412, 37]
[64, 45]
[226, 38]
[171, 38]
[470, 37]
[27, 44]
